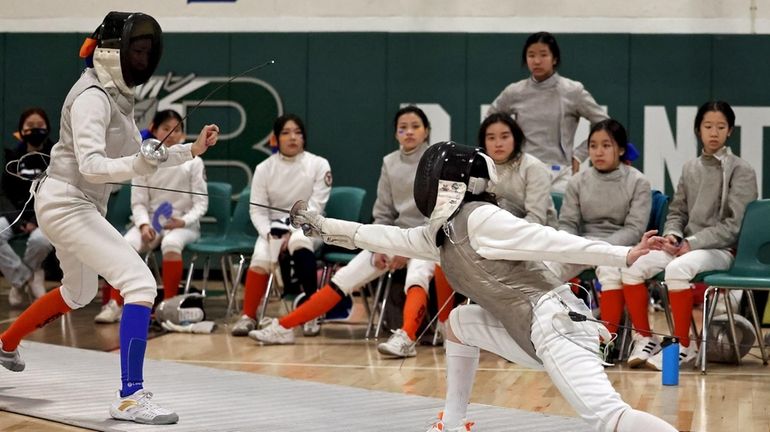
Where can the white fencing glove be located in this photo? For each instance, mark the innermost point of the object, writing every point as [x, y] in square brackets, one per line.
[333, 231]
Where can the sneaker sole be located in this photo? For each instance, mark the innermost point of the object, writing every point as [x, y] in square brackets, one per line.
[263, 342]
[157, 420]
[636, 363]
[387, 352]
[240, 332]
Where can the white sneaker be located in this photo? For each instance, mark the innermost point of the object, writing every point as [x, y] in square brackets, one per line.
[37, 286]
[11, 360]
[274, 334]
[243, 326]
[15, 297]
[138, 408]
[438, 425]
[687, 357]
[644, 348]
[398, 345]
[311, 328]
[110, 313]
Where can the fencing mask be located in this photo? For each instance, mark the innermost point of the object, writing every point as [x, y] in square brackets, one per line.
[719, 346]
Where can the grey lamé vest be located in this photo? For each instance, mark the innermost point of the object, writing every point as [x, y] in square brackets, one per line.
[506, 289]
[122, 139]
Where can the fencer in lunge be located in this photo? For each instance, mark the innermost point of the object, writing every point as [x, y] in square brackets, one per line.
[495, 259]
[98, 144]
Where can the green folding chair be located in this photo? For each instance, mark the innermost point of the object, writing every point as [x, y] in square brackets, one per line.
[214, 227]
[750, 271]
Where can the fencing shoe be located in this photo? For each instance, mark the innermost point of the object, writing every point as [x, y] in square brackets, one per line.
[644, 348]
[438, 426]
[139, 408]
[687, 357]
[11, 360]
[243, 326]
[110, 313]
[274, 334]
[37, 286]
[15, 297]
[398, 345]
[311, 328]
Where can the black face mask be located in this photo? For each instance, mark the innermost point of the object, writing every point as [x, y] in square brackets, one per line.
[35, 137]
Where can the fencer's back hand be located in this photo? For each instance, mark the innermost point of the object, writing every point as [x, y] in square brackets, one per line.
[650, 241]
[207, 138]
[335, 232]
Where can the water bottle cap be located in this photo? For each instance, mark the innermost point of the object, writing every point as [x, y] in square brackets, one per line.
[669, 340]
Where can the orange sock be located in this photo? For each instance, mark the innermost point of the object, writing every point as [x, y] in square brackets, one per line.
[41, 312]
[636, 302]
[115, 295]
[256, 285]
[443, 292]
[611, 308]
[681, 311]
[319, 303]
[172, 275]
[414, 310]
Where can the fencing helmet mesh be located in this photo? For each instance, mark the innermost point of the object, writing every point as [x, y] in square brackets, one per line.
[453, 163]
[128, 48]
[181, 309]
[719, 346]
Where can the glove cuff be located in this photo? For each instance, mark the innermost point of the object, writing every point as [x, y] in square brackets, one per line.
[340, 232]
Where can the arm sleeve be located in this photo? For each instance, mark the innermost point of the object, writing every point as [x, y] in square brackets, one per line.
[742, 190]
[538, 194]
[200, 203]
[321, 190]
[384, 211]
[260, 217]
[570, 219]
[496, 234]
[588, 109]
[637, 218]
[392, 240]
[503, 102]
[140, 202]
[90, 120]
[678, 215]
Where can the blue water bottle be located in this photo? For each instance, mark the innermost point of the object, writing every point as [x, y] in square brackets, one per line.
[670, 347]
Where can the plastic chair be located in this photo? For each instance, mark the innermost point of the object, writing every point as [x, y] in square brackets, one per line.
[557, 198]
[239, 241]
[750, 271]
[346, 203]
[119, 209]
[213, 240]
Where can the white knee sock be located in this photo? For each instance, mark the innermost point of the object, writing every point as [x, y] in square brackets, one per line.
[461, 364]
[639, 421]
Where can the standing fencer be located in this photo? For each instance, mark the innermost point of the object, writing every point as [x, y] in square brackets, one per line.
[98, 144]
[495, 259]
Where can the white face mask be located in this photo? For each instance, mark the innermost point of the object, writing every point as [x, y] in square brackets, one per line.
[107, 66]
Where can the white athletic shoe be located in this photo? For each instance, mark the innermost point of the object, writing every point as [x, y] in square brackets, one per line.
[687, 357]
[37, 286]
[138, 408]
[274, 334]
[311, 328]
[11, 360]
[644, 348]
[243, 326]
[110, 313]
[438, 425]
[398, 345]
[15, 297]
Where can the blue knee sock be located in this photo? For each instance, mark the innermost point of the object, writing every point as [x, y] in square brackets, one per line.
[133, 342]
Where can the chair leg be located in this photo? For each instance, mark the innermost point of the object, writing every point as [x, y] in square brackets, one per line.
[206, 268]
[733, 335]
[706, 322]
[188, 281]
[226, 273]
[757, 326]
[375, 308]
[232, 300]
[385, 296]
[263, 304]
[663, 290]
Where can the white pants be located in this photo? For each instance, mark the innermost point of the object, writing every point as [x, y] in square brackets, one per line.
[266, 251]
[609, 277]
[576, 372]
[679, 270]
[360, 270]
[173, 241]
[16, 270]
[87, 246]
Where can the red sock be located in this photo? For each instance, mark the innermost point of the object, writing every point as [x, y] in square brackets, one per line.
[681, 311]
[414, 310]
[115, 295]
[443, 292]
[41, 312]
[256, 285]
[611, 308]
[172, 275]
[636, 303]
[319, 303]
